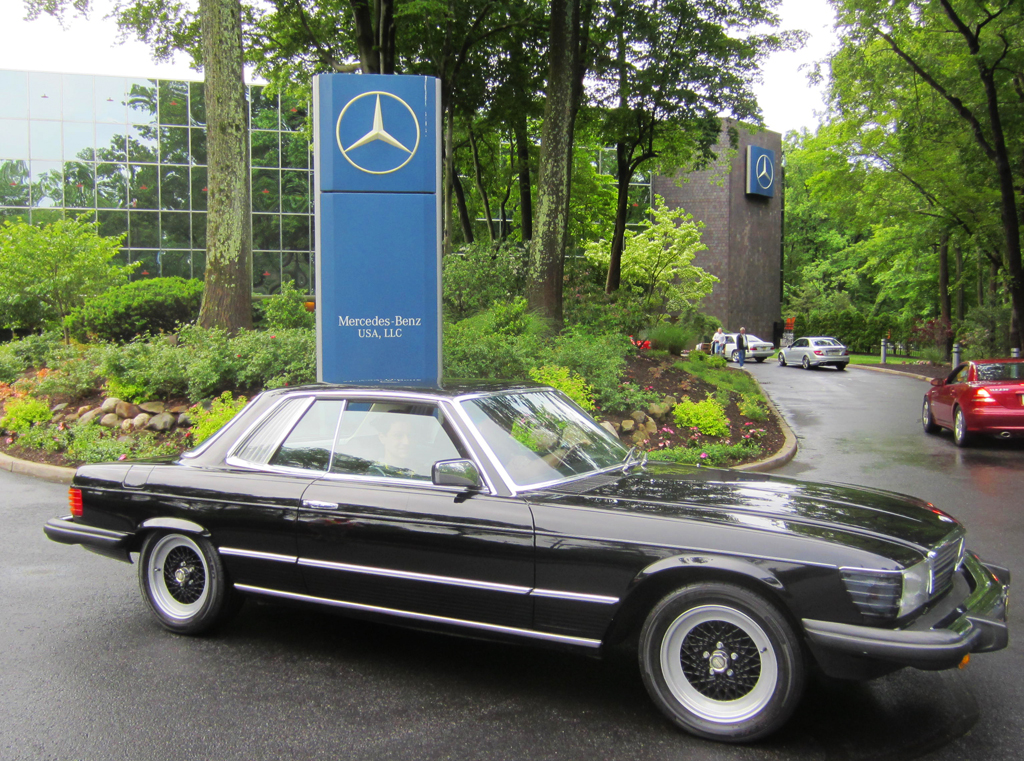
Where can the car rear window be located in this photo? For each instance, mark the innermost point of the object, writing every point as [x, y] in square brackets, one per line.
[1000, 371]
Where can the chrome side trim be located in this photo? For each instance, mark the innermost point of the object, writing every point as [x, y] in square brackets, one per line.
[575, 596]
[411, 576]
[496, 628]
[257, 555]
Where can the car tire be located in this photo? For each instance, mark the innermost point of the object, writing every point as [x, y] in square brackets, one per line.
[960, 435]
[184, 582]
[735, 356]
[927, 420]
[805, 363]
[782, 359]
[721, 662]
[840, 367]
[759, 359]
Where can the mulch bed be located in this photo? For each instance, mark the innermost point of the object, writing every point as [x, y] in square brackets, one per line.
[660, 375]
[923, 369]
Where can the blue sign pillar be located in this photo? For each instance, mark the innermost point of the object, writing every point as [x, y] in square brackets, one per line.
[378, 228]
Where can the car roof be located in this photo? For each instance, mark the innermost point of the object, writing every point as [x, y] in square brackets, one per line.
[448, 388]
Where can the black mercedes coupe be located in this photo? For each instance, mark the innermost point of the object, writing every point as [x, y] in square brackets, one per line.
[504, 511]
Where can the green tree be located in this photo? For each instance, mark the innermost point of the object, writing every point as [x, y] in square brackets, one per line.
[658, 262]
[46, 272]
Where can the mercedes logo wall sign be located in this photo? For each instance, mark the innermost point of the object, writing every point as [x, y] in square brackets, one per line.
[760, 171]
[377, 132]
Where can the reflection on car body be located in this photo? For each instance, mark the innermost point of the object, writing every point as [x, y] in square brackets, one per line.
[505, 511]
[979, 397]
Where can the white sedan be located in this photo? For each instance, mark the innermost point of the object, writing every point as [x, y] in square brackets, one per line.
[756, 348]
[815, 351]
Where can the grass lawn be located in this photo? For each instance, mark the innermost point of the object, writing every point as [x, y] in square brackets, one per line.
[874, 359]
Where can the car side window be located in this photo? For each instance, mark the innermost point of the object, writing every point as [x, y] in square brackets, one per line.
[801, 342]
[308, 444]
[960, 376]
[391, 440]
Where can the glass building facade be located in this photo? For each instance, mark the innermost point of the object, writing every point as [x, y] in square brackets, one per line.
[131, 154]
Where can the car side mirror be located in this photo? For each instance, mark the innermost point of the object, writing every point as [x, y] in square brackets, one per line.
[938, 381]
[459, 473]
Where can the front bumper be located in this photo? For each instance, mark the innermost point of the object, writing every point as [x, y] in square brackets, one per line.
[970, 619]
[112, 544]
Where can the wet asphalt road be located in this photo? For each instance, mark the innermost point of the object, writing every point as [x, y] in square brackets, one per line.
[86, 674]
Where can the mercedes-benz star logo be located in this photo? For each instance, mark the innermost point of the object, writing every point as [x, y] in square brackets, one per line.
[765, 172]
[402, 154]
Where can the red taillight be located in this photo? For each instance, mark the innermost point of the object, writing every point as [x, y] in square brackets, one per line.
[981, 395]
[75, 500]
[818, 352]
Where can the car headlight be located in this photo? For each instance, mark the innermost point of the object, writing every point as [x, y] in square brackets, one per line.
[917, 587]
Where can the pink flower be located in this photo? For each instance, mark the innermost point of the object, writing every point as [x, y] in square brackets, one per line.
[123, 457]
[703, 455]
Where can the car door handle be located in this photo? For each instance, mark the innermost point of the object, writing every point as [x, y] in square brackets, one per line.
[317, 505]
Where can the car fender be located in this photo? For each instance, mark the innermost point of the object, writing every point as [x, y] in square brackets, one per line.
[667, 574]
[173, 524]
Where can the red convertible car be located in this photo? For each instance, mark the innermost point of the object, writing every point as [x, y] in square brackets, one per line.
[980, 397]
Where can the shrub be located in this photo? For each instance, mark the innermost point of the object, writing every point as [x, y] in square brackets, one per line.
[754, 407]
[208, 421]
[11, 365]
[145, 369]
[673, 338]
[93, 443]
[157, 305]
[74, 375]
[287, 309]
[596, 357]
[628, 396]
[711, 454]
[39, 349]
[20, 414]
[271, 359]
[479, 275]
[707, 416]
[569, 383]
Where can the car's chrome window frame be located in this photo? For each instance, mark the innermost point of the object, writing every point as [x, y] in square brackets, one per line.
[513, 487]
[234, 460]
[197, 451]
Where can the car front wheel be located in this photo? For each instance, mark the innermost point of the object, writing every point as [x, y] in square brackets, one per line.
[960, 435]
[183, 580]
[782, 359]
[927, 420]
[721, 662]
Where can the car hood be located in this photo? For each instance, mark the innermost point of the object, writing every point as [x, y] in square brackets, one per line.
[836, 513]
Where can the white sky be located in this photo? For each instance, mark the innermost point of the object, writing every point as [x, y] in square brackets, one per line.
[90, 47]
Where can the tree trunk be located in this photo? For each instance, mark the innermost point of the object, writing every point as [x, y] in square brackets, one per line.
[478, 175]
[958, 257]
[624, 175]
[944, 304]
[460, 201]
[547, 251]
[523, 166]
[227, 295]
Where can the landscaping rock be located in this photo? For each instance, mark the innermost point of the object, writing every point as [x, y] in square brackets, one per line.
[126, 410]
[608, 426]
[628, 425]
[89, 415]
[651, 427]
[184, 421]
[59, 408]
[110, 420]
[153, 408]
[162, 422]
[109, 404]
[83, 409]
[638, 415]
[179, 409]
[141, 420]
[126, 425]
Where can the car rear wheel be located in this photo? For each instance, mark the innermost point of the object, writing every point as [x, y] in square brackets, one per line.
[841, 367]
[759, 359]
[721, 662]
[805, 363]
[735, 356]
[927, 421]
[183, 580]
[782, 359]
[960, 435]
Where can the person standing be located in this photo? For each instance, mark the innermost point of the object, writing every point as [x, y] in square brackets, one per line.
[741, 346]
[718, 342]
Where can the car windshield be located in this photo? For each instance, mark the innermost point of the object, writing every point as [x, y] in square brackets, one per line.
[540, 437]
[1000, 371]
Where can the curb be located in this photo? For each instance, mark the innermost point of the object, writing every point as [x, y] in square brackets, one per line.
[39, 470]
[789, 446]
[890, 372]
